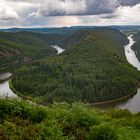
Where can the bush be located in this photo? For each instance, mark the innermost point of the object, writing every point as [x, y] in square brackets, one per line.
[102, 132]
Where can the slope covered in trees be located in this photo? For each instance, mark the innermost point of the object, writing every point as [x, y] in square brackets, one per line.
[22, 47]
[20, 120]
[95, 69]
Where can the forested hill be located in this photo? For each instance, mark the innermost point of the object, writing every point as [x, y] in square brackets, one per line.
[136, 46]
[22, 47]
[25, 47]
[93, 70]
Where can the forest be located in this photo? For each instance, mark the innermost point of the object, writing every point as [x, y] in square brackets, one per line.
[92, 69]
[21, 48]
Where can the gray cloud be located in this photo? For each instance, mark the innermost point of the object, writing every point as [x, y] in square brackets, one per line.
[45, 12]
[77, 7]
[74, 7]
[81, 7]
[128, 2]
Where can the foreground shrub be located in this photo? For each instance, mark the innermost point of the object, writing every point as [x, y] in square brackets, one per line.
[21, 120]
[102, 132]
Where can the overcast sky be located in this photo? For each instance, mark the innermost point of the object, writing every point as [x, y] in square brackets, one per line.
[57, 13]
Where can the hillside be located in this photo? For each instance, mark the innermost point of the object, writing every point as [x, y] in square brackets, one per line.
[20, 120]
[136, 46]
[93, 70]
[22, 47]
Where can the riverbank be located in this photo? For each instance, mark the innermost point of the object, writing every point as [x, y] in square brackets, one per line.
[90, 104]
[121, 101]
[111, 101]
[5, 77]
[18, 93]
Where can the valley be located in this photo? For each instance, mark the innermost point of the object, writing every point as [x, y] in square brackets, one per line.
[69, 70]
[126, 102]
[85, 68]
[91, 71]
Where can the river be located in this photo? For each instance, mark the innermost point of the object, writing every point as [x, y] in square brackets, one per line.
[130, 54]
[59, 50]
[5, 90]
[132, 104]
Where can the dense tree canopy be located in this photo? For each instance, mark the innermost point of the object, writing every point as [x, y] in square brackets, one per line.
[94, 69]
[22, 47]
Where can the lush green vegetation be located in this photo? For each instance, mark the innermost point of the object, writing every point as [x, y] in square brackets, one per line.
[22, 47]
[25, 47]
[20, 120]
[95, 69]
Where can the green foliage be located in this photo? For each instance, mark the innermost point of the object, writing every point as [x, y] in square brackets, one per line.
[22, 47]
[22, 120]
[103, 132]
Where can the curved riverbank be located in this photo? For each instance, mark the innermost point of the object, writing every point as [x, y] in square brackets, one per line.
[5, 77]
[103, 103]
[18, 93]
[111, 101]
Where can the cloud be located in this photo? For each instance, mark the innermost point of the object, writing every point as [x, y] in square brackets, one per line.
[66, 21]
[128, 2]
[7, 12]
[47, 8]
[79, 7]
[76, 7]
[129, 14]
[40, 13]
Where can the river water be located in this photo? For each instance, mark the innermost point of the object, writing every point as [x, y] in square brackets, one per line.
[130, 54]
[132, 104]
[5, 90]
[59, 50]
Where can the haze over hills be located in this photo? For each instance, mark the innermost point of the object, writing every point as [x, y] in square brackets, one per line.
[67, 30]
